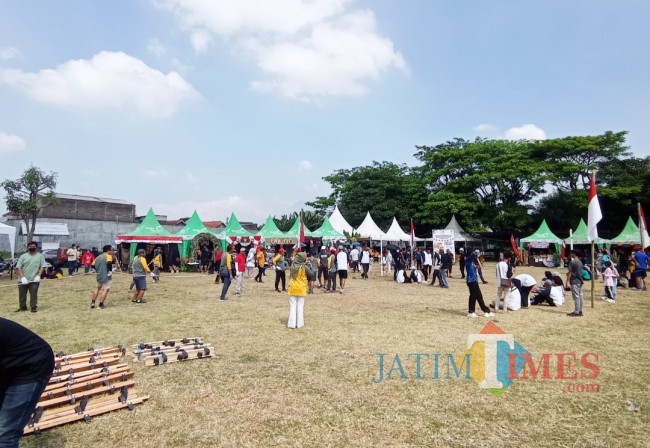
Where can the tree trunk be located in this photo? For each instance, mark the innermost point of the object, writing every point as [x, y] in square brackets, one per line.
[32, 229]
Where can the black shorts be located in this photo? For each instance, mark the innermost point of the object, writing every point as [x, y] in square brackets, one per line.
[343, 273]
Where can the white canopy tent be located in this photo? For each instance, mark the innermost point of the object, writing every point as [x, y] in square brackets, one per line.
[339, 223]
[10, 231]
[368, 229]
[459, 232]
[395, 233]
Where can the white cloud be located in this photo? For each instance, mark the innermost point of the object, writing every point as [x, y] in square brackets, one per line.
[525, 132]
[485, 127]
[8, 53]
[10, 143]
[110, 80]
[153, 174]
[305, 165]
[305, 48]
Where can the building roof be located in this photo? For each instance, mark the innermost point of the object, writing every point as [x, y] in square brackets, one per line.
[214, 224]
[76, 197]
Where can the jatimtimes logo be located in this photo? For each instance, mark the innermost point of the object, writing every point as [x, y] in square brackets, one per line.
[494, 359]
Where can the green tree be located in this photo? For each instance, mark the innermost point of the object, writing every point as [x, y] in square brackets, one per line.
[385, 189]
[27, 195]
[488, 183]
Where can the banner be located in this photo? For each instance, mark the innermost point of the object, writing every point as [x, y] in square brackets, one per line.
[443, 238]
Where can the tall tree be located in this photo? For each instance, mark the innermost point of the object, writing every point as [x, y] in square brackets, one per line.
[27, 195]
[385, 189]
[490, 183]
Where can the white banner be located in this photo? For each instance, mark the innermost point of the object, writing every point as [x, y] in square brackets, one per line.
[443, 238]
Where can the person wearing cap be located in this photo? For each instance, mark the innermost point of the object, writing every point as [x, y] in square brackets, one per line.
[240, 267]
[474, 290]
[140, 270]
[280, 265]
[323, 269]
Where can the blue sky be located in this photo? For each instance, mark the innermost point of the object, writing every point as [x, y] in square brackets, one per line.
[243, 106]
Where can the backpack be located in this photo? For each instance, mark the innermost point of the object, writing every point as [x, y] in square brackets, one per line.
[586, 275]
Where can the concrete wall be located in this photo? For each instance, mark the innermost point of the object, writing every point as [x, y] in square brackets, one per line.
[85, 233]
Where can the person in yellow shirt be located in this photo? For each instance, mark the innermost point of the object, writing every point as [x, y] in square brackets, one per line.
[140, 270]
[157, 263]
[300, 269]
[261, 262]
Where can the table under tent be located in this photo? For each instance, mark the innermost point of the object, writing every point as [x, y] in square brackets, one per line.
[148, 235]
[543, 247]
[195, 236]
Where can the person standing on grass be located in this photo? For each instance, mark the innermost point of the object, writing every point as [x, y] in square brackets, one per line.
[30, 268]
[503, 283]
[26, 364]
[240, 267]
[311, 273]
[72, 260]
[354, 258]
[610, 277]
[140, 270]
[104, 270]
[87, 259]
[342, 264]
[250, 262]
[426, 264]
[323, 270]
[157, 264]
[461, 262]
[332, 271]
[574, 279]
[301, 268]
[226, 271]
[218, 256]
[260, 256]
[279, 264]
[445, 267]
[365, 262]
[474, 291]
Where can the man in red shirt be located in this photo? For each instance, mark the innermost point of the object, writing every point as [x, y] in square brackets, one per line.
[240, 267]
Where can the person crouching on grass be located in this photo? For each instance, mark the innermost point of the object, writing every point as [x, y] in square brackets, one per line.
[300, 269]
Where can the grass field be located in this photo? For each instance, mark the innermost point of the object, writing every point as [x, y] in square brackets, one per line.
[270, 386]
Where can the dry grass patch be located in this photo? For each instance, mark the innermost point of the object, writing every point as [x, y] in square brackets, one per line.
[270, 386]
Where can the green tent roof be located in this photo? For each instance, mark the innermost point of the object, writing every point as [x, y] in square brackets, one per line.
[326, 231]
[193, 227]
[150, 231]
[270, 230]
[581, 235]
[234, 228]
[295, 229]
[542, 235]
[629, 235]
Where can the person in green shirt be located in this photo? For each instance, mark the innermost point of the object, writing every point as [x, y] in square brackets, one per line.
[30, 267]
[104, 270]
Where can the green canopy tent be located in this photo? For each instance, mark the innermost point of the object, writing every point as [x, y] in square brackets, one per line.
[149, 231]
[270, 231]
[234, 232]
[192, 229]
[294, 231]
[542, 236]
[327, 232]
[581, 235]
[629, 236]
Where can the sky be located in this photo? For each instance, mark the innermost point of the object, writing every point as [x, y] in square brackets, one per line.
[243, 106]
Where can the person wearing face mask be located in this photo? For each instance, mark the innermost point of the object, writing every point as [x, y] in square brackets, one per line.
[30, 267]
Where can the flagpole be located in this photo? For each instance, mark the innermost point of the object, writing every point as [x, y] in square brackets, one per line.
[592, 273]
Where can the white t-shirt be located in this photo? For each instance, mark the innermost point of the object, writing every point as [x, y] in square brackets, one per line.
[365, 257]
[354, 254]
[514, 300]
[427, 259]
[525, 279]
[502, 271]
[557, 295]
[342, 261]
[72, 254]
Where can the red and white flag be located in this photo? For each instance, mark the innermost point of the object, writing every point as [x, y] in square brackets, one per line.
[594, 215]
[643, 229]
[301, 234]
